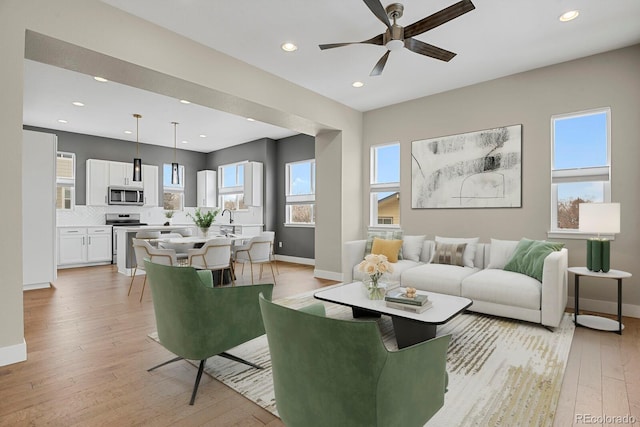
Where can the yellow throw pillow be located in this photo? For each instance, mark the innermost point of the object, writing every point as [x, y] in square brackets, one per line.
[388, 248]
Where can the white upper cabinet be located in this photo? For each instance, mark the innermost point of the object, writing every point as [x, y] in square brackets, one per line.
[150, 185]
[121, 174]
[206, 191]
[97, 182]
[103, 173]
[253, 184]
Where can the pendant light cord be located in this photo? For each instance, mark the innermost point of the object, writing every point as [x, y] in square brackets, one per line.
[175, 144]
[137, 116]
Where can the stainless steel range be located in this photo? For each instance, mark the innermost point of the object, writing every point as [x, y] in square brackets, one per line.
[120, 220]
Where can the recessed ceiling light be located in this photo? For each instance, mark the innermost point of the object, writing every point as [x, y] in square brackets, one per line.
[289, 47]
[78, 104]
[185, 142]
[251, 119]
[569, 16]
[100, 79]
[203, 135]
[357, 84]
[128, 132]
[184, 101]
[62, 121]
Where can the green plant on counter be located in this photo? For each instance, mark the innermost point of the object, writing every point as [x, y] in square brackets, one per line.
[203, 220]
[169, 214]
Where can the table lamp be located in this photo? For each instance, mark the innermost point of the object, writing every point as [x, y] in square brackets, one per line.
[599, 218]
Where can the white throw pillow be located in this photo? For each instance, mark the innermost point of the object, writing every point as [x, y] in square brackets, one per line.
[500, 252]
[412, 246]
[470, 250]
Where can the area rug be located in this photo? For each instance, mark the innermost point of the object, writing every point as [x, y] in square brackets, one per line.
[501, 372]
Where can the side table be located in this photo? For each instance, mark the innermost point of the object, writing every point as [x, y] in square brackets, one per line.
[598, 322]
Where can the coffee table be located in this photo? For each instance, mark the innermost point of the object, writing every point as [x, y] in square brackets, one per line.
[410, 328]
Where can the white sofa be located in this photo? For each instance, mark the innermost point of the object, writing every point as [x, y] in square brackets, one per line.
[493, 290]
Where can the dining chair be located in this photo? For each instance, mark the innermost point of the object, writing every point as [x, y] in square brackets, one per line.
[143, 249]
[272, 236]
[178, 247]
[256, 251]
[214, 255]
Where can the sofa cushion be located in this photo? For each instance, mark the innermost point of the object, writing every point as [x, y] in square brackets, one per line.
[412, 247]
[398, 268]
[382, 234]
[500, 252]
[470, 250]
[440, 278]
[528, 258]
[386, 247]
[503, 287]
[449, 253]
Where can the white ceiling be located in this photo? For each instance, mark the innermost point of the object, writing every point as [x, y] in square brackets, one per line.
[498, 38]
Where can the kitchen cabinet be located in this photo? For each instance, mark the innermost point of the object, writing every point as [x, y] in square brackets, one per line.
[84, 246]
[103, 173]
[150, 185]
[97, 182]
[253, 184]
[121, 174]
[38, 209]
[206, 189]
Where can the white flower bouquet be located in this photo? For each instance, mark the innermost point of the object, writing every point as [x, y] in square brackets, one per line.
[374, 267]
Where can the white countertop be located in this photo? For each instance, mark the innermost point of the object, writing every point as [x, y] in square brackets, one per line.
[82, 226]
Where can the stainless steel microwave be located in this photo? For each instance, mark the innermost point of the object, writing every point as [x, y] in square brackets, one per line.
[126, 196]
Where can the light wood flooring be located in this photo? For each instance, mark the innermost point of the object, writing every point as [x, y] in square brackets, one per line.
[88, 353]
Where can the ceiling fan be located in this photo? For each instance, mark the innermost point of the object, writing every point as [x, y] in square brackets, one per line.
[396, 37]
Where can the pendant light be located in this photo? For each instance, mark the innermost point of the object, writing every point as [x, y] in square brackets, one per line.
[137, 161]
[175, 176]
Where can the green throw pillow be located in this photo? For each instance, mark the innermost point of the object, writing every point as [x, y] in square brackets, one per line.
[528, 257]
[383, 234]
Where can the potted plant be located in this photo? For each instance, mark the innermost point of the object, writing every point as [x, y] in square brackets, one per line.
[203, 220]
[168, 215]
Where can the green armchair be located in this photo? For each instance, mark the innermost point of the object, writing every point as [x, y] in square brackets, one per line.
[338, 372]
[196, 321]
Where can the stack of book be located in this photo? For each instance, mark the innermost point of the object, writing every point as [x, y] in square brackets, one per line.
[400, 301]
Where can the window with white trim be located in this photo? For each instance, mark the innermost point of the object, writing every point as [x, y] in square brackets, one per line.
[581, 164]
[231, 186]
[300, 193]
[172, 194]
[385, 185]
[65, 180]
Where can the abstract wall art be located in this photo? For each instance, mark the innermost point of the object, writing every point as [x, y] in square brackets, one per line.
[481, 169]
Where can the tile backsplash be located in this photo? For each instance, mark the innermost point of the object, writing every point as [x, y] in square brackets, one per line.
[95, 215]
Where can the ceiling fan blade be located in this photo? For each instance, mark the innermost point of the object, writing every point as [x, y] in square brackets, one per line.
[438, 18]
[377, 70]
[374, 40]
[428, 50]
[376, 7]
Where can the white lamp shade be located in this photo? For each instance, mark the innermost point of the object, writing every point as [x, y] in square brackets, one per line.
[599, 217]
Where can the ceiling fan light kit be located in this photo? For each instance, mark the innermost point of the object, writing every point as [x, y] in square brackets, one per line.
[397, 37]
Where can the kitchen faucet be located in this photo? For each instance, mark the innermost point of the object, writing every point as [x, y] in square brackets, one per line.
[230, 215]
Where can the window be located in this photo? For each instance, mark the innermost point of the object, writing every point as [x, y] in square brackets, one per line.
[385, 185]
[581, 165]
[231, 186]
[172, 194]
[300, 193]
[65, 180]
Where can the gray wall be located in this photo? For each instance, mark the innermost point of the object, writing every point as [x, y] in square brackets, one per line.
[261, 150]
[531, 98]
[296, 241]
[96, 147]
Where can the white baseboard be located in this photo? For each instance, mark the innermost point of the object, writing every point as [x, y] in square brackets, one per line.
[296, 260]
[330, 275]
[35, 286]
[607, 307]
[13, 353]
